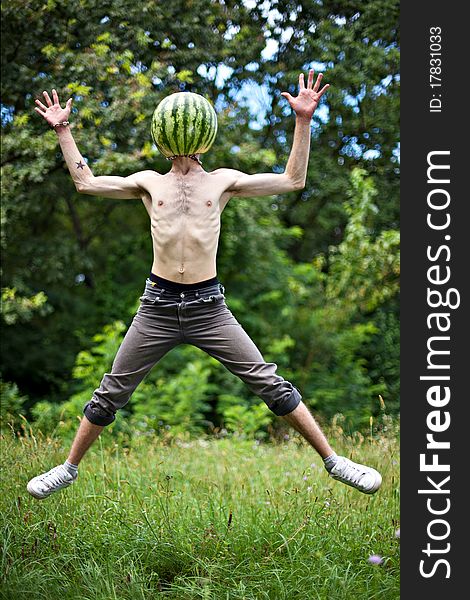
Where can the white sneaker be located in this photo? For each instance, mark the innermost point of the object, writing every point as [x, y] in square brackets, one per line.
[363, 478]
[54, 480]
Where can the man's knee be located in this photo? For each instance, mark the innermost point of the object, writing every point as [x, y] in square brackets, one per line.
[98, 415]
[285, 402]
[112, 395]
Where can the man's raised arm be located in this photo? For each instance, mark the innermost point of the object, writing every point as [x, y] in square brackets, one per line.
[293, 178]
[84, 180]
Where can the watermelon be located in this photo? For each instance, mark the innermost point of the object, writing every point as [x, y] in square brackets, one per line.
[184, 124]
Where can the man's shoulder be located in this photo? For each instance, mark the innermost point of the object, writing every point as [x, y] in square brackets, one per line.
[142, 178]
[227, 175]
[224, 171]
[147, 173]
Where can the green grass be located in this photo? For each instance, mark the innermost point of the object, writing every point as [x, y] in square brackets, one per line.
[206, 519]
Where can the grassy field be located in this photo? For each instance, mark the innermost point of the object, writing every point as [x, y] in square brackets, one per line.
[208, 519]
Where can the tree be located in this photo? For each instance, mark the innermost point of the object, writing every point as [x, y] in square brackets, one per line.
[87, 256]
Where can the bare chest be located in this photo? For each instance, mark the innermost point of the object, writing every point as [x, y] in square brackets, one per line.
[196, 197]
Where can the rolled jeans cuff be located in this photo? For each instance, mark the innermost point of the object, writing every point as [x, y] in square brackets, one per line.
[288, 405]
[97, 415]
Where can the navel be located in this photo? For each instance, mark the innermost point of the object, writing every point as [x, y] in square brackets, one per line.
[181, 269]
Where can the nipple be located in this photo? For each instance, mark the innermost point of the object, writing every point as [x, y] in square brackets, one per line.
[209, 203]
[160, 202]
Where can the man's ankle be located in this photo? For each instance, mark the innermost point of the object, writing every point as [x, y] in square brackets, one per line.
[71, 468]
[330, 461]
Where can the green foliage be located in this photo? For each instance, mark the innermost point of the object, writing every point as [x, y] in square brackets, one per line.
[178, 401]
[336, 339]
[364, 268]
[90, 366]
[312, 278]
[383, 353]
[21, 308]
[11, 405]
[92, 363]
[248, 421]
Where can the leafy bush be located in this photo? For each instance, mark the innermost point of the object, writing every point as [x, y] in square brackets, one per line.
[11, 405]
[177, 401]
[248, 421]
[17, 307]
[339, 319]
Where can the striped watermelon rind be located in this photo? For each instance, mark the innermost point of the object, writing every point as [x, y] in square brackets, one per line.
[184, 123]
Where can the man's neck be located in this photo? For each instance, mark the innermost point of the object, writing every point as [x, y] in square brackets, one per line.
[183, 165]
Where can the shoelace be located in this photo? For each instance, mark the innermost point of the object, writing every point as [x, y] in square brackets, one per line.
[351, 472]
[53, 477]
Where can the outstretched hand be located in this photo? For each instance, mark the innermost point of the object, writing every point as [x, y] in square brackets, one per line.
[53, 113]
[309, 97]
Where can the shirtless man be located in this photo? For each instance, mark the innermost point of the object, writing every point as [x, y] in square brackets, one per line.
[183, 301]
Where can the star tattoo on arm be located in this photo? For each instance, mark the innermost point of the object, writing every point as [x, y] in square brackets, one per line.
[80, 165]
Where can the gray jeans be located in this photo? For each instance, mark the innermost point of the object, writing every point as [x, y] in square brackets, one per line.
[199, 317]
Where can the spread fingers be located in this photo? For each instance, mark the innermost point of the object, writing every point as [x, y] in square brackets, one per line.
[48, 100]
[310, 78]
[318, 82]
[40, 104]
